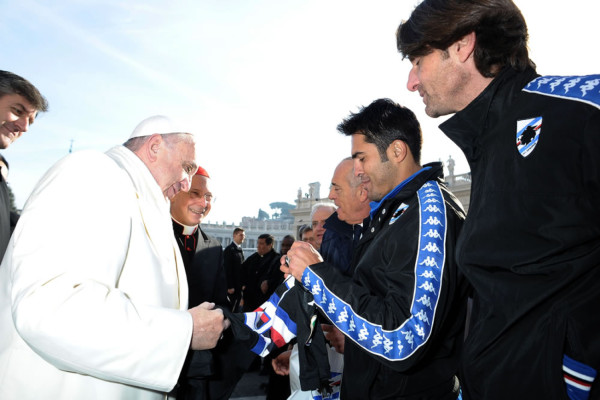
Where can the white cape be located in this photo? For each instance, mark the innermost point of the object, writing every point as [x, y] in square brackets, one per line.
[93, 292]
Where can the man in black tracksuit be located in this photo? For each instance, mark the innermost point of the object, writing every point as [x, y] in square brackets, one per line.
[531, 243]
[403, 309]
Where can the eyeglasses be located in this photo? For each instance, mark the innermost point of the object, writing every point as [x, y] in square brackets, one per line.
[208, 197]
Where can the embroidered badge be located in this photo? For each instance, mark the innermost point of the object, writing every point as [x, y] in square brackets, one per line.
[585, 89]
[528, 135]
[403, 207]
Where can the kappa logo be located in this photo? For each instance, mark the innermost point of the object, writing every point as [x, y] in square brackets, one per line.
[528, 135]
[578, 88]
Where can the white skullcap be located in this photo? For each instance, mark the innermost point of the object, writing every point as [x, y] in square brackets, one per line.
[156, 124]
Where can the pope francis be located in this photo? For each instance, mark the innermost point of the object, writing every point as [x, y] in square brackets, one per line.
[93, 293]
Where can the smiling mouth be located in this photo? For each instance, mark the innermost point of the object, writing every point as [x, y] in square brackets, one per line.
[198, 212]
[11, 134]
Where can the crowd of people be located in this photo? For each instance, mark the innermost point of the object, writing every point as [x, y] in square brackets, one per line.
[392, 292]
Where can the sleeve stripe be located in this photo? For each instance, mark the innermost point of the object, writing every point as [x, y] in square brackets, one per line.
[402, 342]
[578, 88]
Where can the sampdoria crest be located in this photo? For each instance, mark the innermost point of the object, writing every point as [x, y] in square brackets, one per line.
[528, 135]
[399, 211]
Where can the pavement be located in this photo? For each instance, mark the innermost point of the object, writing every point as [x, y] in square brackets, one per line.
[252, 386]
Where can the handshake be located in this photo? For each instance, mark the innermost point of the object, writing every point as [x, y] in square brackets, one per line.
[209, 324]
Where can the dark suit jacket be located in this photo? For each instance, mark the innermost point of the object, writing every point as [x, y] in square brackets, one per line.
[257, 269]
[4, 217]
[209, 374]
[233, 259]
[206, 275]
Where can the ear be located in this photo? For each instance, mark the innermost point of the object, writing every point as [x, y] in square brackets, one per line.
[153, 146]
[362, 195]
[465, 46]
[398, 150]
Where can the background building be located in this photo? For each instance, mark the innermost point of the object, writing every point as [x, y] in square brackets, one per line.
[288, 223]
[253, 228]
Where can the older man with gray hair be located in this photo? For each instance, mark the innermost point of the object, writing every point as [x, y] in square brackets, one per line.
[318, 215]
[93, 293]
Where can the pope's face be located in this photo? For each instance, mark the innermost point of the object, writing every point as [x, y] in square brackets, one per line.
[175, 167]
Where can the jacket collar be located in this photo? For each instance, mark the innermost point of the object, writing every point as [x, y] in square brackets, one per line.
[182, 229]
[336, 224]
[375, 205]
[466, 126]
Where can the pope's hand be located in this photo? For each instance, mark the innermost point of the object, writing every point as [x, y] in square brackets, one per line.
[209, 324]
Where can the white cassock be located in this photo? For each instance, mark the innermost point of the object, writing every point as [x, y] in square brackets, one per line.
[93, 293]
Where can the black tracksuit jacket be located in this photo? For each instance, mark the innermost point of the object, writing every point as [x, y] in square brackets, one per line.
[530, 245]
[403, 309]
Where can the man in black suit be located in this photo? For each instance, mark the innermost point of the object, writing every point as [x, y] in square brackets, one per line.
[202, 254]
[261, 274]
[233, 259]
[208, 374]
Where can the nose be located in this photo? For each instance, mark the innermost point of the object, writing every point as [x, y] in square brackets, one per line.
[23, 124]
[203, 202]
[186, 183]
[358, 171]
[331, 193]
[413, 80]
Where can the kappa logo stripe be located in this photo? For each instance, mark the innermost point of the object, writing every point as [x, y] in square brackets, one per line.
[585, 89]
[401, 342]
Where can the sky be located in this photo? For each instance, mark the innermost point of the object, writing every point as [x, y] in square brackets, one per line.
[263, 84]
